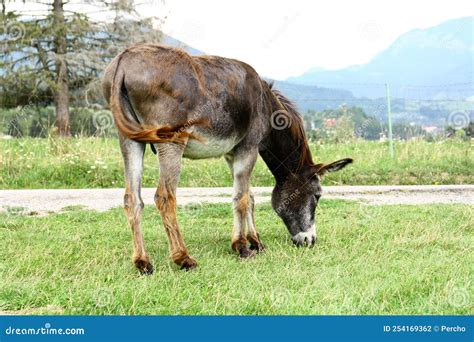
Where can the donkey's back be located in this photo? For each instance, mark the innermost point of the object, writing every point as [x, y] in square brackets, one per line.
[212, 97]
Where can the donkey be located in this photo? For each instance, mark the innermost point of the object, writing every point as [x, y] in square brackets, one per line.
[206, 107]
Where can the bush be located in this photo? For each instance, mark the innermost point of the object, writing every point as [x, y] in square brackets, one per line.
[92, 122]
[32, 121]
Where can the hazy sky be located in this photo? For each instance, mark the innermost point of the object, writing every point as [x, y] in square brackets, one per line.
[282, 38]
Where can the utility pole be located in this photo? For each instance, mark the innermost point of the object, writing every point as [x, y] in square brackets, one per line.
[389, 114]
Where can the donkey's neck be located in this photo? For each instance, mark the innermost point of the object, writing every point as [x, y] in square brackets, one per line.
[285, 149]
[283, 154]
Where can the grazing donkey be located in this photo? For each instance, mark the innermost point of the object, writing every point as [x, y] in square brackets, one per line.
[205, 107]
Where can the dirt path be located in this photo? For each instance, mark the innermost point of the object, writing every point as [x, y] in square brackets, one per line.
[44, 201]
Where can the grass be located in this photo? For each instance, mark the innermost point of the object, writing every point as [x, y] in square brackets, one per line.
[369, 260]
[95, 162]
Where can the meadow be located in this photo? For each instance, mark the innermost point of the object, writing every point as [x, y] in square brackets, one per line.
[368, 260]
[97, 163]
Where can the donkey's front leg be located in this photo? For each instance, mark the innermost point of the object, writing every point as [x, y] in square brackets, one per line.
[252, 236]
[165, 198]
[241, 163]
[132, 153]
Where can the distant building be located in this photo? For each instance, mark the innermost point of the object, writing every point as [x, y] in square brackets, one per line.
[328, 123]
[432, 129]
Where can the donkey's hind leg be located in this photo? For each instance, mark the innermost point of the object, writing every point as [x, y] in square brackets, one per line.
[170, 155]
[132, 152]
[241, 163]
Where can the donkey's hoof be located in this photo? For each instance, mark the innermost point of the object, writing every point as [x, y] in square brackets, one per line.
[246, 253]
[257, 247]
[144, 267]
[255, 243]
[189, 264]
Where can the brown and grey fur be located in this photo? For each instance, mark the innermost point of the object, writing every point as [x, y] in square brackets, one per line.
[204, 107]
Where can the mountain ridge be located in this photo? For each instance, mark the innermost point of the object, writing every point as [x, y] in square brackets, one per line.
[438, 55]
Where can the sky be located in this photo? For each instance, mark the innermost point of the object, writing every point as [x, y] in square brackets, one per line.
[286, 38]
[283, 38]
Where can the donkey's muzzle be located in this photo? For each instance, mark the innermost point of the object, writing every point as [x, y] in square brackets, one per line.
[304, 239]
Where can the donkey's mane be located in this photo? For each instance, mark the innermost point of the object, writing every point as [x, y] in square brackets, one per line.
[296, 125]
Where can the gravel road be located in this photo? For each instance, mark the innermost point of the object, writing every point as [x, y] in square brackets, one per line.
[47, 201]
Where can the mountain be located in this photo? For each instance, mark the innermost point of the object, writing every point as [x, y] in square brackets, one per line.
[168, 40]
[433, 57]
[313, 97]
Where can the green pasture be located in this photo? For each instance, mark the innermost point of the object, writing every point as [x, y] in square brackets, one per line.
[397, 259]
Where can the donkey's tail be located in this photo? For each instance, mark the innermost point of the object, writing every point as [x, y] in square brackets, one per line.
[128, 125]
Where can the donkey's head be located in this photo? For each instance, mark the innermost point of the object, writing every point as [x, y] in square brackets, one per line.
[296, 198]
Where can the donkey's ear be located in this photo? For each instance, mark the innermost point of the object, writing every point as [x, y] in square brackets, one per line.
[321, 169]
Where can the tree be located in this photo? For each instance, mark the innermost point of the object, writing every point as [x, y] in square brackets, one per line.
[54, 54]
[61, 94]
[344, 129]
[342, 124]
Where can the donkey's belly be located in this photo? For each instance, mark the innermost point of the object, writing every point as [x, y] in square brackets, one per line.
[209, 147]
